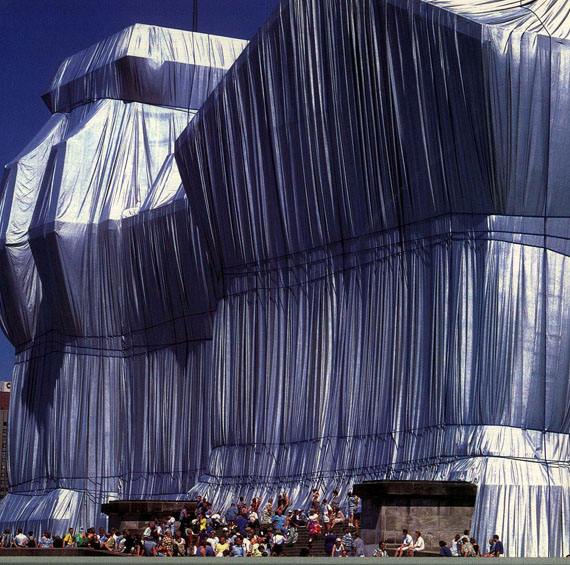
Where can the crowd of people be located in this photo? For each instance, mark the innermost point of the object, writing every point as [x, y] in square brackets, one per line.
[249, 529]
[461, 546]
[465, 546]
[244, 529]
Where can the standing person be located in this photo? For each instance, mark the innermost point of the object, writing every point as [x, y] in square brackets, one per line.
[253, 517]
[357, 511]
[335, 500]
[315, 497]
[313, 526]
[183, 518]
[330, 540]
[278, 521]
[418, 545]
[293, 531]
[267, 513]
[326, 513]
[358, 546]
[278, 541]
[351, 507]
[338, 548]
[347, 541]
[242, 523]
[406, 543]
[69, 539]
[231, 515]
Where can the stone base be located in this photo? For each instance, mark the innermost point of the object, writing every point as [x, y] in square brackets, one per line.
[438, 509]
[135, 514]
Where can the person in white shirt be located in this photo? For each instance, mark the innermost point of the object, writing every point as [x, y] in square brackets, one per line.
[419, 545]
[406, 543]
[381, 551]
[456, 546]
[151, 529]
[20, 539]
[213, 541]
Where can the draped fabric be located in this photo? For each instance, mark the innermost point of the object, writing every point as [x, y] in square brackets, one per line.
[362, 277]
[105, 289]
[382, 187]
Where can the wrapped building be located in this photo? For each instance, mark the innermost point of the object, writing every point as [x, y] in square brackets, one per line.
[362, 276]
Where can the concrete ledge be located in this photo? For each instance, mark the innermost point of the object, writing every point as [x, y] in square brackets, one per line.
[37, 554]
[282, 560]
[452, 490]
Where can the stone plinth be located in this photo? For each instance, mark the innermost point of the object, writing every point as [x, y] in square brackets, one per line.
[135, 514]
[438, 509]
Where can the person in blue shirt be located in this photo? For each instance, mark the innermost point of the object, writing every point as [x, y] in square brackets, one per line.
[278, 522]
[357, 511]
[241, 523]
[497, 550]
[206, 550]
[238, 549]
[231, 514]
[444, 551]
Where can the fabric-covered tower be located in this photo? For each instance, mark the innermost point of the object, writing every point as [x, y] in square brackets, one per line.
[386, 206]
[363, 277]
[104, 286]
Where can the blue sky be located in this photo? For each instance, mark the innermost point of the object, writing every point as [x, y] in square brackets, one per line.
[35, 35]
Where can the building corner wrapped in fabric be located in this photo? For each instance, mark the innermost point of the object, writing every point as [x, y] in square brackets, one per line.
[362, 276]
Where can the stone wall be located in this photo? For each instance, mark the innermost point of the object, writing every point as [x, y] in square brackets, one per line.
[135, 514]
[438, 509]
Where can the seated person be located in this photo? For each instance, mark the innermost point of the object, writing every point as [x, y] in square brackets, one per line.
[444, 551]
[418, 545]
[381, 551]
[20, 539]
[406, 543]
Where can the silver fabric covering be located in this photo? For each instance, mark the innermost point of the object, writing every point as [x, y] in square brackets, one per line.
[365, 280]
[104, 288]
[383, 190]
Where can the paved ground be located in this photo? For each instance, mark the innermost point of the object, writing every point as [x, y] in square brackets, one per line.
[96, 560]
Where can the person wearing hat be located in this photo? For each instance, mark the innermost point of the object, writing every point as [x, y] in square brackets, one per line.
[338, 548]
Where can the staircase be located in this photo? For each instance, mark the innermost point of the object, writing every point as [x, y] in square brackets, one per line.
[318, 545]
